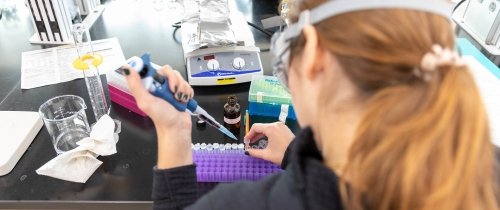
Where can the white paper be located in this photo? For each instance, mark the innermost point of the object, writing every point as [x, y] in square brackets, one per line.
[77, 165]
[102, 138]
[54, 65]
[489, 87]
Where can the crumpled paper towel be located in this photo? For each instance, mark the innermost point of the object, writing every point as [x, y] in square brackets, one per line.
[78, 164]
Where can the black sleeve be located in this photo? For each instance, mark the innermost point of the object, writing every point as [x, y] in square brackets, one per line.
[243, 195]
[285, 160]
[174, 188]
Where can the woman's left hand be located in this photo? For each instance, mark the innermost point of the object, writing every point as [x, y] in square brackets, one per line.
[279, 137]
[172, 126]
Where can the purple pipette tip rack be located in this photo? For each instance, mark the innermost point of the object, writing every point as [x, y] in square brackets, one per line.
[218, 164]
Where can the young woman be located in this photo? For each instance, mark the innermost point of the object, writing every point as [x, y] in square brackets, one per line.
[391, 117]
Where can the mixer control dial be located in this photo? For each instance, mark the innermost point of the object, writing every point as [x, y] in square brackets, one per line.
[213, 65]
[238, 63]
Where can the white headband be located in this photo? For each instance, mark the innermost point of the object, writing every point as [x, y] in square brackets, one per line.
[333, 8]
[280, 43]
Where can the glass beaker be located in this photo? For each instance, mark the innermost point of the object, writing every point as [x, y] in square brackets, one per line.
[66, 121]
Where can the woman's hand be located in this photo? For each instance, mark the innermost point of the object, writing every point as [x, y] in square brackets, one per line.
[173, 127]
[278, 136]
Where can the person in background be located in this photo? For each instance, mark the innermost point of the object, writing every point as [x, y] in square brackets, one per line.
[391, 119]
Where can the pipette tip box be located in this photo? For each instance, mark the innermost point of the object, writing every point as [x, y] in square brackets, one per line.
[125, 99]
[119, 92]
[267, 97]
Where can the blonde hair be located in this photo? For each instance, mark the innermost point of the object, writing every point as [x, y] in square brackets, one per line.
[419, 145]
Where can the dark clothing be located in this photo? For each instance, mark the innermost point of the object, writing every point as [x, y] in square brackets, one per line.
[305, 184]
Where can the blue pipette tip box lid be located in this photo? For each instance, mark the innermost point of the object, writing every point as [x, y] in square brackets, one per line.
[18, 129]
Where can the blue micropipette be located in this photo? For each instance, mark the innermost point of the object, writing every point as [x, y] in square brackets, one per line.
[158, 86]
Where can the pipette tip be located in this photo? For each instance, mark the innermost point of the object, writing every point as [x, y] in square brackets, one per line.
[228, 133]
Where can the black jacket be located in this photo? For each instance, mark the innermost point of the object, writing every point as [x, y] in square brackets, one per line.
[305, 184]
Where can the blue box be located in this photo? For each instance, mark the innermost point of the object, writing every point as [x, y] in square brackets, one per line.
[270, 110]
[267, 97]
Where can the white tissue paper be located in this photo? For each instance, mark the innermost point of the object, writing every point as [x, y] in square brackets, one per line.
[101, 137]
[77, 165]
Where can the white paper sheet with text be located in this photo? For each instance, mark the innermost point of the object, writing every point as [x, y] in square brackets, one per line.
[54, 65]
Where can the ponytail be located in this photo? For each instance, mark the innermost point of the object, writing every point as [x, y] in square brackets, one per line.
[430, 149]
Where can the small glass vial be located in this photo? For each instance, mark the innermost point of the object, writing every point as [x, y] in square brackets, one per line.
[232, 115]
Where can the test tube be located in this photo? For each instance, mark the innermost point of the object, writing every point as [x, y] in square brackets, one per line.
[92, 77]
[210, 147]
[216, 146]
[197, 147]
